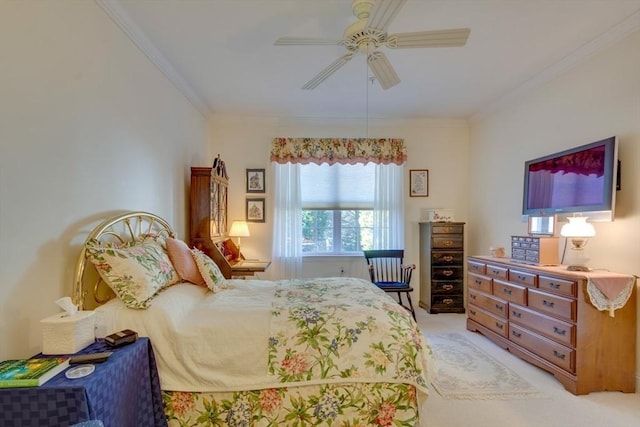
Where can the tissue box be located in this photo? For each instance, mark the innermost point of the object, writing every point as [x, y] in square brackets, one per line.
[64, 334]
[440, 215]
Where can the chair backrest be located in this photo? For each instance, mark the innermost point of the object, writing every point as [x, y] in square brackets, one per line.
[385, 265]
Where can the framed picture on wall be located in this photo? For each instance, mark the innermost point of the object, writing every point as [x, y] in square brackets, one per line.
[419, 182]
[255, 181]
[255, 210]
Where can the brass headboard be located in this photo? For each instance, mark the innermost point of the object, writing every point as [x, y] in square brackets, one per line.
[123, 228]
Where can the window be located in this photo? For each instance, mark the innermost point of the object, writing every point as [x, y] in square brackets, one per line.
[337, 208]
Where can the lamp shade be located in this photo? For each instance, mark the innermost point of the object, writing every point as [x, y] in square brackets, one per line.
[578, 227]
[239, 229]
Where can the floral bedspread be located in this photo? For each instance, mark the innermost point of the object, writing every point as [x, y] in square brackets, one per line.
[335, 330]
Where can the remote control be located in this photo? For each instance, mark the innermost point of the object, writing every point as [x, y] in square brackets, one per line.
[90, 358]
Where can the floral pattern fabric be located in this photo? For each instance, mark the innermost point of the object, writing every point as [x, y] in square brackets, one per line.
[339, 150]
[379, 404]
[136, 272]
[331, 330]
[209, 270]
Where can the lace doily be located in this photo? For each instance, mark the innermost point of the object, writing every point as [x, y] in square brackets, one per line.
[602, 303]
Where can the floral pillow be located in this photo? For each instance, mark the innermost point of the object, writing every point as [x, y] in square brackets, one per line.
[135, 272]
[209, 270]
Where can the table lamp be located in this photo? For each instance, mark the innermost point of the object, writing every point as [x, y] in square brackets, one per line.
[239, 229]
[578, 231]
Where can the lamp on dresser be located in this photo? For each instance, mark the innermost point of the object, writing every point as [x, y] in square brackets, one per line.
[578, 231]
[239, 229]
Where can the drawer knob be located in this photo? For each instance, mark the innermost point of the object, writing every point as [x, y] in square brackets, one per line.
[496, 272]
[516, 334]
[447, 273]
[522, 278]
[478, 282]
[499, 307]
[549, 304]
[499, 325]
[447, 301]
[448, 243]
[447, 258]
[516, 314]
[472, 312]
[554, 285]
[506, 291]
[447, 287]
[559, 331]
[559, 355]
[472, 296]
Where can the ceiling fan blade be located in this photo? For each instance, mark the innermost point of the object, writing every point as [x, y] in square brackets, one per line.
[382, 69]
[383, 12]
[305, 41]
[324, 74]
[439, 38]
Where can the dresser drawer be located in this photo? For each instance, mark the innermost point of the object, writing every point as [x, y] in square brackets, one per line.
[451, 241]
[446, 273]
[558, 286]
[523, 277]
[490, 303]
[447, 287]
[554, 305]
[488, 320]
[478, 267]
[447, 229]
[482, 283]
[447, 302]
[555, 353]
[510, 292]
[555, 329]
[497, 271]
[444, 258]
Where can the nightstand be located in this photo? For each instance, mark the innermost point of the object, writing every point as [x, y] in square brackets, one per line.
[122, 391]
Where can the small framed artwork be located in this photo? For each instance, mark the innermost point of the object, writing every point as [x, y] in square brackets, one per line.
[255, 181]
[255, 210]
[418, 182]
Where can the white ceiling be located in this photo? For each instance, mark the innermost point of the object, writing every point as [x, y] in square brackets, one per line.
[221, 52]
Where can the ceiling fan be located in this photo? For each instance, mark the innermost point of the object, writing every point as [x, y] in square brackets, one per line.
[369, 33]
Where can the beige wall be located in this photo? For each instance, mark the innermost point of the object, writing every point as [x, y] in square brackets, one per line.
[88, 126]
[594, 100]
[441, 146]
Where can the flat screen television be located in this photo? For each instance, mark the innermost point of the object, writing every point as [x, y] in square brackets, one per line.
[582, 179]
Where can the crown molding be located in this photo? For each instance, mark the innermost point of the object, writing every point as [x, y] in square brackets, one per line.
[617, 33]
[120, 17]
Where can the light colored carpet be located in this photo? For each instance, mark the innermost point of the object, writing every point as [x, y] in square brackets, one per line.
[464, 371]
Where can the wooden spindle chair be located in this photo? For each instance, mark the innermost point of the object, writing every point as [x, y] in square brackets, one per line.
[388, 272]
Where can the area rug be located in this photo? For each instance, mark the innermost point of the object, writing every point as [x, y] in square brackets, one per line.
[463, 371]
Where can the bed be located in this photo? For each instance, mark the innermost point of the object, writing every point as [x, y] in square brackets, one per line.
[325, 351]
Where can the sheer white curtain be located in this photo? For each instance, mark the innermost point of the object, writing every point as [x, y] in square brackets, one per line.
[388, 207]
[286, 260]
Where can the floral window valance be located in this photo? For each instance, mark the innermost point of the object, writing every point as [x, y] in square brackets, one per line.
[339, 150]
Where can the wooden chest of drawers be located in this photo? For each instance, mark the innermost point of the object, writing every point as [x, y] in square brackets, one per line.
[442, 267]
[544, 316]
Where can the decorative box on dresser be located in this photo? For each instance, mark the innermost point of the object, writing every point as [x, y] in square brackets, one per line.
[442, 267]
[544, 316]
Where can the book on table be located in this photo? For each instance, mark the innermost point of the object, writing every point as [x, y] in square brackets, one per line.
[30, 372]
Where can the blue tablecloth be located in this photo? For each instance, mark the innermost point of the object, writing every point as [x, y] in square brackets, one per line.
[123, 391]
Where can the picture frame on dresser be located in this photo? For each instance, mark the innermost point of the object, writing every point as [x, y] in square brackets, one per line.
[419, 183]
[255, 179]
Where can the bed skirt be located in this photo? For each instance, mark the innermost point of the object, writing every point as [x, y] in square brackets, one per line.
[355, 404]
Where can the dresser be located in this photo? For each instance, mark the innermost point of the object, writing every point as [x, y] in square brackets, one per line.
[544, 316]
[442, 267]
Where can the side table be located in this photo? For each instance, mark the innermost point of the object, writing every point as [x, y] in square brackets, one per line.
[122, 391]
